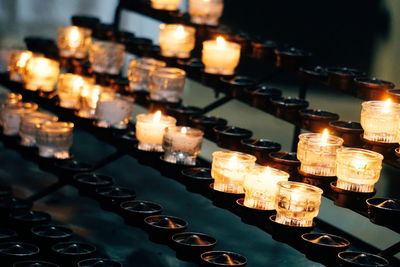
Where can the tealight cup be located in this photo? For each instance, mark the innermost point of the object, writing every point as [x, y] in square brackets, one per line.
[54, 139]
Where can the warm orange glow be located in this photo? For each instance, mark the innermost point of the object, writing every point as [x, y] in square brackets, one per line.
[324, 137]
[233, 161]
[221, 43]
[157, 117]
[180, 32]
[359, 164]
[23, 58]
[386, 106]
[74, 38]
[183, 130]
[267, 171]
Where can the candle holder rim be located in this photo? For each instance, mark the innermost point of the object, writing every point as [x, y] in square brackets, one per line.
[305, 235]
[292, 51]
[186, 173]
[68, 232]
[213, 241]
[377, 143]
[223, 129]
[34, 262]
[315, 138]
[369, 202]
[9, 232]
[252, 142]
[107, 189]
[110, 45]
[185, 109]
[227, 154]
[191, 29]
[313, 176]
[272, 169]
[41, 115]
[228, 43]
[78, 177]
[182, 223]
[124, 206]
[344, 71]
[289, 101]
[264, 90]
[148, 117]
[379, 104]
[309, 188]
[313, 113]
[240, 202]
[240, 80]
[338, 124]
[395, 92]
[200, 117]
[51, 125]
[43, 216]
[211, 186]
[189, 130]
[348, 192]
[107, 261]
[34, 249]
[383, 260]
[372, 155]
[168, 71]
[146, 63]
[273, 156]
[207, 253]
[373, 82]
[272, 218]
[89, 247]
[316, 70]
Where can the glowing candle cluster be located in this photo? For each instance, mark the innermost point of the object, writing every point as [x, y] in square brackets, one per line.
[89, 97]
[166, 84]
[176, 40]
[138, 72]
[69, 89]
[73, 41]
[41, 74]
[29, 124]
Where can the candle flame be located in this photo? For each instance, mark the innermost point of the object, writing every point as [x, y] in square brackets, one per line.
[267, 171]
[74, 37]
[183, 130]
[386, 106]
[220, 42]
[324, 137]
[180, 32]
[24, 57]
[359, 164]
[157, 116]
[232, 162]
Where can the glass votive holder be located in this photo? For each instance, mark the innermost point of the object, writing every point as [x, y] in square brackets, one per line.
[220, 56]
[138, 72]
[260, 187]
[182, 145]
[150, 130]
[17, 63]
[166, 84]
[317, 153]
[54, 139]
[176, 40]
[73, 41]
[69, 89]
[106, 57]
[170, 5]
[229, 169]
[27, 129]
[89, 98]
[205, 12]
[41, 74]
[113, 110]
[297, 203]
[380, 120]
[6, 100]
[357, 169]
[11, 116]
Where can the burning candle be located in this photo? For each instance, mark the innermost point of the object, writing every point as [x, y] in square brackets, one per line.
[317, 153]
[11, 116]
[114, 110]
[17, 63]
[106, 57]
[170, 5]
[69, 89]
[54, 139]
[176, 40]
[27, 130]
[89, 97]
[205, 12]
[380, 120]
[150, 130]
[166, 84]
[358, 169]
[182, 145]
[220, 56]
[73, 41]
[261, 185]
[138, 72]
[41, 74]
[297, 204]
[229, 169]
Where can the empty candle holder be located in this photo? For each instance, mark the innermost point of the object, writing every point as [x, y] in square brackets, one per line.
[189, 245]
[98, 262]
[260, 148]
[69, 89]
[41, 45]
[212, 80]
[70, 253]
[323, 182]
[66, 169]
[222, 258]
[349, 131]
[139, 70]
[7, 235]
[13, 205]
[113, 110]
[27, 129]
[197, 179]
[260, 96]
[24, 221]
[111, 197]
[230, 137]
[316, 120]
[30, 263]
[316, 73]
[394, 94]
[169, 5]
[47, 235]
[41, 74]
[205, 12]
[343, 78]
[387, 150]
[88, 183]
[166, 84]
[176, 40]
[106, 57]
[73, 41]
[372, 88]
[251, 215]
[85, 21]
[105, 32]
[54, 139]
[17, 63]
[353, 258]
[350, 199]
[12, 114]
[139, 46]
[11, 252]
[285, 161]
[183, 113]
[324, 247]
[134, 211]
[235, 86]
[192, 66]
[291, 58]
[264, 50]
[207, 124]
[89, 97]
[162, 227]
[288, 108]
[384, 211]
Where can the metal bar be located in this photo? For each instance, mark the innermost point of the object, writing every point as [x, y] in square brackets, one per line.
[117, 15]
[47, 191]
[217, 104]
[295, 138]
[303, 89]
[390, 251]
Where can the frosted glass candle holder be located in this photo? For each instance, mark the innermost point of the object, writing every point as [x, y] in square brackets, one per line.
[380, 120]
[73, 41]
[89, 98]
[358, 169]
[28, 126]
[69, 89]
[150, 130]
[229, 169]
[12, 114]
[41, 74]
[317, 156]
[106, 57]
[220, 56]
[17, 63]
[7, 100]
[182, 145]
[138, 72]
[170, 5]
[261, 185]
[113, 110]
[205, 12]
[176, 40]
[166, 84]
[297, 204]
[54, 139]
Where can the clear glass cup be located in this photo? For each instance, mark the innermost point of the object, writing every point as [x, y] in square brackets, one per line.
[17, 63]
[41, 74]
[114, 110]
[106, 57]
[297, 204]
[166, 84]
[205, 12]
[69, 89]
[176, 40]
[8, 99]
[73, 41]
[182, 145]
[54, 139]
[12, 115]
[28, 126]
[138, 72]
[170, 5]
[89, 98]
